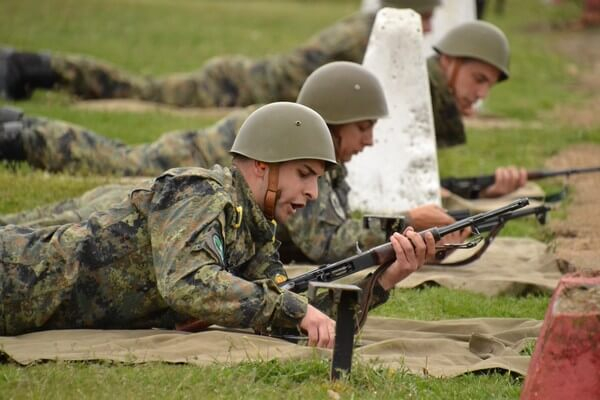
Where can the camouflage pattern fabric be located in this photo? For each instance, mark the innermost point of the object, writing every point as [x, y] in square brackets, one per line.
[323, 231]
[74, 210]
[449, 128]
[194, 245]
[222, 81]
[59, 146]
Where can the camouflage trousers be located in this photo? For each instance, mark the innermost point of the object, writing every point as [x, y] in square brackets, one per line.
[74, 210]
[223, 82]
[231, 81]
[59, 146]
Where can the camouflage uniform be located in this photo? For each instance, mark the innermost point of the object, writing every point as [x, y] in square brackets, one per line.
[55, 146]
[195, 245]
[59, 146]
[77, 209]
[449, 128]
[323, 231]
[223, 81]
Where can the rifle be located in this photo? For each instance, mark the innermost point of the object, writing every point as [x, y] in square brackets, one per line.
[385, 253]
[539, 212]
[470, 187]
[493, 226]
[391, 224]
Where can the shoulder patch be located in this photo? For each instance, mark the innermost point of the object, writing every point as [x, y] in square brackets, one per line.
[212, 243]
[218, 243]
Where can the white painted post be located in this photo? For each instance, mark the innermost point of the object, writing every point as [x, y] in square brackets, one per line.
[368, 6]
[449, 14]
[400, 171]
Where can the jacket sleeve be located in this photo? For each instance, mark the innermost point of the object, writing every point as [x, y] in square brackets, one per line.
[187, 223]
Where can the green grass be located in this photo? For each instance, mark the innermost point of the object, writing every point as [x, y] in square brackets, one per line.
[436, 303]
[22, 188]
[163, 36]
[257, 380]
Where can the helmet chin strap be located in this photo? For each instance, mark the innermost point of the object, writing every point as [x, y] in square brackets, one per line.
[272, 194]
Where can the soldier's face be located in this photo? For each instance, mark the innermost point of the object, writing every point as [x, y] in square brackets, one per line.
[473, 82]
[350, 139]
[298, 183]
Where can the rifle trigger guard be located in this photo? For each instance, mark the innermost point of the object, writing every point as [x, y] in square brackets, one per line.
[474, 241]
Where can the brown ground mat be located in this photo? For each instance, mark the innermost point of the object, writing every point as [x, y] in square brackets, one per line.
[510, 266]
[437, 348]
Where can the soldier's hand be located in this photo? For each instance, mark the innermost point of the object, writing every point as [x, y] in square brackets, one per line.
[319, 327]
[428, 216]
[507, 180]
[411, 250]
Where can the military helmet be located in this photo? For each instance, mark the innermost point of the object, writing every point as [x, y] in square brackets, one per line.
[479, 40]
[344, 92]
[417, 5]
[284, 131]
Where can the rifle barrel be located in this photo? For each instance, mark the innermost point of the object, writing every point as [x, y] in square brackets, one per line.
[471, 186]
[535, 175]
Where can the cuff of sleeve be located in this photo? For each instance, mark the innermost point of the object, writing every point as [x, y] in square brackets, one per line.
[290, 311]
[380, 295]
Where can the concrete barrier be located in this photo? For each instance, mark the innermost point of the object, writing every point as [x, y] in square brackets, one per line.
[566, 360]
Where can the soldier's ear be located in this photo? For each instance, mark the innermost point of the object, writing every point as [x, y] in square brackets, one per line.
[260, 168]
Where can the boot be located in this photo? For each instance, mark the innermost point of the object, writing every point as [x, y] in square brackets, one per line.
[11, 140]
[21, 73]
[8, 114]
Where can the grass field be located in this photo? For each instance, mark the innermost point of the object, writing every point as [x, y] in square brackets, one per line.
[163, 36]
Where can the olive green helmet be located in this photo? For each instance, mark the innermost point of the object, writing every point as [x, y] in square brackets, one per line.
[344, 92]
[417, 5]
[479, 40]
[284, 131]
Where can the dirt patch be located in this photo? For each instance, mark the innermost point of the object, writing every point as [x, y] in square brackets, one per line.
[582, 49]
[579, 300]
[578, 236]
[138, 106]
[493, 122]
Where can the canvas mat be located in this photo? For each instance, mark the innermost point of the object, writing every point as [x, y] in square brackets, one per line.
[437, 348]
[510, 266]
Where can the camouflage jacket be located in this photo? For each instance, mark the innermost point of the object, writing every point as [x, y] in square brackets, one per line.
[323, 231]
[449, 129]
[195, 245]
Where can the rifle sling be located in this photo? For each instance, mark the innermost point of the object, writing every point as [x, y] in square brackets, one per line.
[368, 294]
[486, 243]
